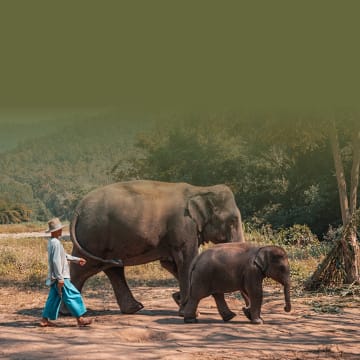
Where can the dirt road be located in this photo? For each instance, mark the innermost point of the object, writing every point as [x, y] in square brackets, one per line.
[157, 332]
[33, 234]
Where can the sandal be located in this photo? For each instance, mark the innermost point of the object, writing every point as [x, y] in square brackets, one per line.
[84, 322]
[47, 323]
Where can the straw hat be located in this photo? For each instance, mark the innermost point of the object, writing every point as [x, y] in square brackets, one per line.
[54, 225]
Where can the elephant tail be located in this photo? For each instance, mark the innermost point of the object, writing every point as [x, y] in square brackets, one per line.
[114, 262]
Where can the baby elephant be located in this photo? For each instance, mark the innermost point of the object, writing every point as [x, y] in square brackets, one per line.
[236, 266]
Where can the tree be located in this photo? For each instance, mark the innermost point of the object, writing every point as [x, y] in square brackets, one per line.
[302, 131]
[342, 264]
[258, 168]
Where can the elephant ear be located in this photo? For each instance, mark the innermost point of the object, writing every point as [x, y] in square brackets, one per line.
[199, 210]
[268, 257]
[261, 260]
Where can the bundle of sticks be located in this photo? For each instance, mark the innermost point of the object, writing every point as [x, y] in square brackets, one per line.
[342, 259]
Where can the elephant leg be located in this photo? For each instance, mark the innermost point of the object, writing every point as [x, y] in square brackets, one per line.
[246, 309]
[79, 274]
[245, 296]
[170, 266]
[124, 297]
[190, 311]
[184, 247]
[223, 308]
[255, 295]
[183, 262]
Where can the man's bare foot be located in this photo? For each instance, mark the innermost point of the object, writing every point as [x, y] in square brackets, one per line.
[83, 322]
[45, 322]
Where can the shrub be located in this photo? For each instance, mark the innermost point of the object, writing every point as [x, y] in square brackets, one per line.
[13, 213]
[299, 235]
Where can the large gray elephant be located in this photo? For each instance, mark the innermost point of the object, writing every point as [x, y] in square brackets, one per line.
[135, 222]
[231, 267]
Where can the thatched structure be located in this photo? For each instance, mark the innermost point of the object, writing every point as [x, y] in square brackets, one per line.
[342, 261]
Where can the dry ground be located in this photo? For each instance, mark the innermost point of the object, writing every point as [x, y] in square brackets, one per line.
[319, 327]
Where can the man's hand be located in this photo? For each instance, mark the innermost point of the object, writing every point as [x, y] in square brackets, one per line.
[82, 262]
[60, 285]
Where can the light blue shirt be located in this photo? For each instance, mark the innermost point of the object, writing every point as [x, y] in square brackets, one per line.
[58, 261]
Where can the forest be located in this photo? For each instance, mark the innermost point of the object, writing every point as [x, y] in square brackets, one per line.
[279, 164]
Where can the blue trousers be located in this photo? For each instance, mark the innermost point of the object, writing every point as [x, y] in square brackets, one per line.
[71, 298]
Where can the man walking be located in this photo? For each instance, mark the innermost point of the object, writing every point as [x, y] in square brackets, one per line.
[58, 279]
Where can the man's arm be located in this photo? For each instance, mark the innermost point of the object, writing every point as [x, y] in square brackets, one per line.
[75, 259]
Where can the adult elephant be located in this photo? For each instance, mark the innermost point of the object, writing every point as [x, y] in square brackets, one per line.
[135, 222]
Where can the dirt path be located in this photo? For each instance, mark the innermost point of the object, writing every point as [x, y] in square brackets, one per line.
[157, 332]
[32, 234]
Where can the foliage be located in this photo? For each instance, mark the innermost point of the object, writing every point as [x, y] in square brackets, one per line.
[278, 164]
[299, 235]
[277, 178]
[13, 213]
[49, 174]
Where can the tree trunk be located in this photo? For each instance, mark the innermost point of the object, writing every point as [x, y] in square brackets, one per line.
[340, 174]
[354, 267]
[351, 248]
[355, 171]
[342, 263]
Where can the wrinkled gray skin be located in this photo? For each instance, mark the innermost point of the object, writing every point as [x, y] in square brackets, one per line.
[232, 267]
[141, 221]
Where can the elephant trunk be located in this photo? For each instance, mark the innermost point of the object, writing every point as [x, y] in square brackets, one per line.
[287, 307]
[237, 234]
[241, 233]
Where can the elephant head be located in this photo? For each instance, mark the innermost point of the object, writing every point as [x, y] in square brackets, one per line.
[273, 262]
[216, 215]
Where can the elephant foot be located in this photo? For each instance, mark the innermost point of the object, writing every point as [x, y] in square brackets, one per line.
[228, 316]
[181, 312]
[257, 321]
[132, 309]
[190, 320]
[246, 312]
[176, 297]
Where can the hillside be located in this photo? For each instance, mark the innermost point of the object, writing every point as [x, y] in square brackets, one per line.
[49, 172]
[280, 174]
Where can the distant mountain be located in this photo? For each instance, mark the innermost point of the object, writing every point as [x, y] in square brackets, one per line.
[20, 125]
[12, 134]
[48, 165]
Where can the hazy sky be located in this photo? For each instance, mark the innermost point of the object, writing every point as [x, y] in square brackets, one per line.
[34, 115]
[160, 55]
[19, 124]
